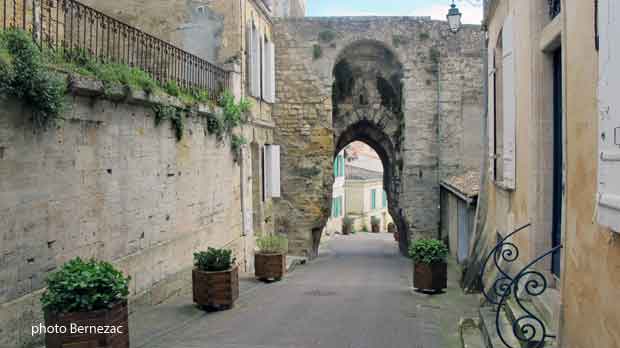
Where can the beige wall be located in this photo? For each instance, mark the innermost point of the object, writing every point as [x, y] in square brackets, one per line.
[359, 203]
[583, 302]
[591, 283]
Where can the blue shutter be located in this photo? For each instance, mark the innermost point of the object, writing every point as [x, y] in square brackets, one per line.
[374, 199]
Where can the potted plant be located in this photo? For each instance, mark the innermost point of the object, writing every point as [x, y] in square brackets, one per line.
[215, 279]
[270, 260]
[81, 297]
[347, 225]
[430, 267]
[375, 224]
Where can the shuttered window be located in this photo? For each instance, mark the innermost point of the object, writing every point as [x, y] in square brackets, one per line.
[272, 170]
[263, 67]
[384, 199]
[253, 62]
[491, 115]
[609, 115]
[502, 108]
[373, 199]
[272, 72]
[509, 104]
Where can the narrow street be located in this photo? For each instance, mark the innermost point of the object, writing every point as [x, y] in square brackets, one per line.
[356, 294]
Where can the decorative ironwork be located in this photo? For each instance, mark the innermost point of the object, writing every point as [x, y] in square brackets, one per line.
[528, 328]
[555, 7]
[77, 31]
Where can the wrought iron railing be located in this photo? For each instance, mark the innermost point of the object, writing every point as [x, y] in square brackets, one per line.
[555, 7]
[76, 30]
[528, 328]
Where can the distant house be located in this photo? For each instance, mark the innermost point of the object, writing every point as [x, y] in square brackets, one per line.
[358, 191]
[365, 197]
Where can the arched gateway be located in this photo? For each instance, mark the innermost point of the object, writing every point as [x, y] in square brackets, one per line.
[405, 86]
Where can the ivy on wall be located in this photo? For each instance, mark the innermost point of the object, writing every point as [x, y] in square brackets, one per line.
[31, 74]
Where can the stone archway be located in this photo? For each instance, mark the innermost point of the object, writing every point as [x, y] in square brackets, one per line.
[412, 92]
[374, 136]
[368, 106]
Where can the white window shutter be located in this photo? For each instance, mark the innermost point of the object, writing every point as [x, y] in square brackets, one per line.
[256, 64]
[272, 169]
[509, 103]
[608, 210]
[272, 72]
[491, 115]
[266, 73]
[263, 67]
[249, 41]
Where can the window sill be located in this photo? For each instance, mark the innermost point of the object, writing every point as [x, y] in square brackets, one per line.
[501, 185]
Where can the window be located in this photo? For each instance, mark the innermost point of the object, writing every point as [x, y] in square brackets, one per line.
[609, 116]
[384, 199]
[260, 65]
[253, 61]
[272, 170]
[502, 123]
[337, 210]
[373, 199]
[339, 166]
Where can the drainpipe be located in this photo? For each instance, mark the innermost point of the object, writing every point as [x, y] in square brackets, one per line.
[438, 118]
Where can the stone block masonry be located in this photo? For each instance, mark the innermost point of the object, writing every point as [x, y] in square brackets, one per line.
[431, 132]
[107, 183]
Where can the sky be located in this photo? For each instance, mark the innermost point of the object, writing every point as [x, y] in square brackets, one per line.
[436, 9]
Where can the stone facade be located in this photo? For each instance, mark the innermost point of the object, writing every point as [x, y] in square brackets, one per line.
[422, 118]
[109, 184]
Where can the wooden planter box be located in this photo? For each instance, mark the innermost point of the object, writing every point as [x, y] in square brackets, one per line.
[269, 266]
[375, 228]
[117, 317]
[215, 290]
[430, 277]
[346, 229]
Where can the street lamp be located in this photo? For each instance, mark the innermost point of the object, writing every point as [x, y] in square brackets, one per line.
[454, 18]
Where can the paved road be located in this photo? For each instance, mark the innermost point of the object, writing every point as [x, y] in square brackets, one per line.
[356, 295]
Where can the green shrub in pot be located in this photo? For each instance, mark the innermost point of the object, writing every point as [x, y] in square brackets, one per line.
[82, 286]
[428, 251]
[214, 260]
[272, 244]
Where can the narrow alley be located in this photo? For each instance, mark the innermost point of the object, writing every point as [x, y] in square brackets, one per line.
[356, 294]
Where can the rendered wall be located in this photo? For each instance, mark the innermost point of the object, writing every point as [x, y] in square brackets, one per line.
[591, 278]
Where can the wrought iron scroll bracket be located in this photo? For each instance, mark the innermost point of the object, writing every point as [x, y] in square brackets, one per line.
[529, 329]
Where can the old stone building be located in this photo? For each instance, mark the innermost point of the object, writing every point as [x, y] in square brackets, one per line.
[406, 86]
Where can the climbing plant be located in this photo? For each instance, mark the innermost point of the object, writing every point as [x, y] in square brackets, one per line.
[24, 75]
[29, 73]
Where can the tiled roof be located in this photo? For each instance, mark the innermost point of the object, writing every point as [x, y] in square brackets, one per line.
[467, 184]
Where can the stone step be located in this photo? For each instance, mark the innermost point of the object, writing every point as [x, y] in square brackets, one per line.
[515, 312]
[488, 326]
[471, 336]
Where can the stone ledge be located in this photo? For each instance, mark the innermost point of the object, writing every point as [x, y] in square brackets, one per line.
[84, 86]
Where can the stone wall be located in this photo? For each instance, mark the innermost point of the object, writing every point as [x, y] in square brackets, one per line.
[441, 111]
[107, 183]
